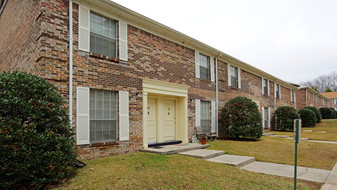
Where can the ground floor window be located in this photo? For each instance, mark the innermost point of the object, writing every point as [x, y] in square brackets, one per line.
[265, 118]
[205, 116]
[103, 116]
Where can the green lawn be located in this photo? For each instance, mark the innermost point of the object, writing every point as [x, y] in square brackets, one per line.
[152, 171]
[280, 150]
[328, 125]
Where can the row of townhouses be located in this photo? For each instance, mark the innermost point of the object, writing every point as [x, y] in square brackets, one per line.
[131, 81]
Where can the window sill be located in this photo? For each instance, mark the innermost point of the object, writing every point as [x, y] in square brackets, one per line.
[235, 88]
[104, 144]
[103, 57]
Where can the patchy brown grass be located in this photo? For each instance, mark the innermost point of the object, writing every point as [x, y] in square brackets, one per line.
[279, 150]
[151, 171]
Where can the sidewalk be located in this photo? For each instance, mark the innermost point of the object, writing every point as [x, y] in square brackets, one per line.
[327, 177]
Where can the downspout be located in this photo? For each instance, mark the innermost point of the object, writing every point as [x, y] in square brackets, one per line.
[217, 96]
[71, 62]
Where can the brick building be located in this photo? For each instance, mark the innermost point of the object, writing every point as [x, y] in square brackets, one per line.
[332, 96]
[307, 96]
[130, 81]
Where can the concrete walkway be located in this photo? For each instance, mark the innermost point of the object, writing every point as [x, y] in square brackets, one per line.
[329, 178]
[304, 139]
[309, 174]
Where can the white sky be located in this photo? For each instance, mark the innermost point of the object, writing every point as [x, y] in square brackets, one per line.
[295, 40]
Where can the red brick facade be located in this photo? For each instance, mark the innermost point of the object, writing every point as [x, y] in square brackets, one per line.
[43, 49]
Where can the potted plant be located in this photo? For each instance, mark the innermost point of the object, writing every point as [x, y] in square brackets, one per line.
[203, 139]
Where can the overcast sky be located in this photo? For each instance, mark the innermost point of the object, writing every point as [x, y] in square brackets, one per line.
[295, 40]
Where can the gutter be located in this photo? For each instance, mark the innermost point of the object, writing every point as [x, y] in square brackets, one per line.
[71, 62]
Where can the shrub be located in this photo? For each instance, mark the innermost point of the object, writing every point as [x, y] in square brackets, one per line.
[326, 113]
[241, 119]
[333, 113]
[36, 141]
[308, 117]
[317, 113]
[284, 118]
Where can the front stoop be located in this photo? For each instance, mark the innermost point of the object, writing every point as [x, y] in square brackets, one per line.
[174, 149]
[203, 154]
[233, 160]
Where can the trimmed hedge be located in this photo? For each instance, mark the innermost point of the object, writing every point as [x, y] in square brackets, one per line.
[241, 119]
[317, 113]
[36, 140]
[284, 118]
[333, 113]
[326, 113]
[308, 117]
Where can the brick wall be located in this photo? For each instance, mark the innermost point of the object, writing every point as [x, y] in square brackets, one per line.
[19, 36]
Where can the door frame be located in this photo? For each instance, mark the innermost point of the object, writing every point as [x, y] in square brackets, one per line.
[171, 90]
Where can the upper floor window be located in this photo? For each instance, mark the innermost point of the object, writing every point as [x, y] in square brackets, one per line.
[265, 87]
[307, 95]
[103, 39]
[292, 94]
[204, 67]
[234, 76]
[277, 91]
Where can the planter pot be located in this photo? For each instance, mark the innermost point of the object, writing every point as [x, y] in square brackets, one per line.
[203, 141]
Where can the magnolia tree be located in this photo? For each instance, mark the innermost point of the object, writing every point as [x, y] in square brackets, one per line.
[36, 141]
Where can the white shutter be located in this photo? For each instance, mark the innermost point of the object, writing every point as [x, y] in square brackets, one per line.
[229, 74]
[212, 68]
[82, 116]
[268, 86]
[262, 86]
[83, 31]
[280, 91]
[268, 117]
[263, 117]
[213, 116]
[123, 41]
[197, 68]
[197, 112]
[239, 77]
[294, 96]
[123, 115]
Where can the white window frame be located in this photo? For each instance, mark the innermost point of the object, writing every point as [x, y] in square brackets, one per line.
[116, 114]
[267, 85]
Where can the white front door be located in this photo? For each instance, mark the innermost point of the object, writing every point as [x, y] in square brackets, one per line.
[151, 120]
[169, 116]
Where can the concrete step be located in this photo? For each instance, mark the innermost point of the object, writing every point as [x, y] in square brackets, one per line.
[174, 149]
[233, 160]
[203, 153]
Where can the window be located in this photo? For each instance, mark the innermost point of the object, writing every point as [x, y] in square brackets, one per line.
[265, 118]
[265, 86]
[336, 101]
[292, 95]
[204, 67]
[234, 77]
[307, 95]
[205, 116]
[277, 91]
[103, 116]
[103, 35]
